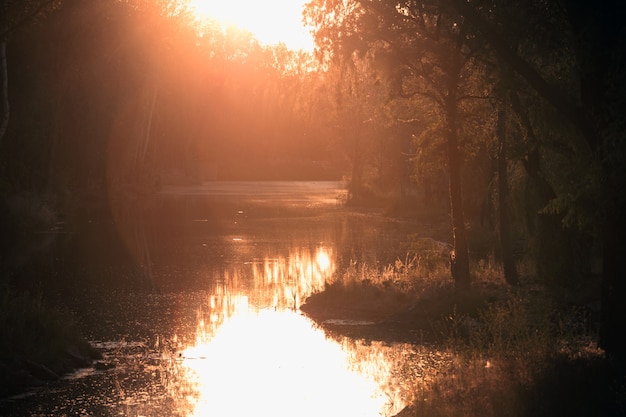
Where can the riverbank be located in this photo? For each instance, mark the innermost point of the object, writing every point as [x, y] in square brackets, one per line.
[38, 344]
[400, 312]
[517, 351]
[204, 251]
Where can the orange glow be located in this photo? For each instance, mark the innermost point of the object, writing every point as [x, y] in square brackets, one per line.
[292, 279]
[279, 282]
[255, 354]
[270, 21]
[278, 363]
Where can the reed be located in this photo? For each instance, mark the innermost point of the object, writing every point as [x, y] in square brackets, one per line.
[517, 351]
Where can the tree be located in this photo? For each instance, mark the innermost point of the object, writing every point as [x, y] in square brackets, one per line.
[355, 102]
[599, 36]
[426, 52]
[14, 14]
[595, 109]
[508, 261]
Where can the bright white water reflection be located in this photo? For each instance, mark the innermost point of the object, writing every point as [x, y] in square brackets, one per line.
[279, 363]
[291, 280]
[277, 282]
[225, 336]
[255, 354]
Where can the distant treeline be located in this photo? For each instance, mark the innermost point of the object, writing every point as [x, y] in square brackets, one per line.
[108, 93]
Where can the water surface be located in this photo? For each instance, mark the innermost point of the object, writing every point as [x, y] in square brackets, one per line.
[215, 326]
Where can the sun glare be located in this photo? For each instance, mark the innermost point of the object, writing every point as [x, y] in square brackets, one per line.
[278, 364]
[270, 21]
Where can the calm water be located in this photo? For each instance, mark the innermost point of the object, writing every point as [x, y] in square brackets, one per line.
[215, 328]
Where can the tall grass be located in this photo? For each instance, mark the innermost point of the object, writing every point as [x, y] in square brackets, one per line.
[517, 351]
[423, 267]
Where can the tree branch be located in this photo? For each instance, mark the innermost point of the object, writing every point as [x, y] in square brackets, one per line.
[27, 17]
[558, 98]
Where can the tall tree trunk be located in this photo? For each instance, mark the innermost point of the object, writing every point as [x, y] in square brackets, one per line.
[459, 258]
[506, 244]
[4, 90]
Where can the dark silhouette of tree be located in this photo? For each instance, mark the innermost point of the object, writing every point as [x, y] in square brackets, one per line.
[599, 36]
[504, 215]
[591, 97]
[15, 14]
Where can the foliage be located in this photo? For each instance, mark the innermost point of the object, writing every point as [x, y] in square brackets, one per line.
[13, 16]
[430, 255]
[579, 191]
[520, 356]
[128, 95]
[515, 351]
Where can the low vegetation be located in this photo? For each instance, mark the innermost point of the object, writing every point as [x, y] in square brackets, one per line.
[37, 343]
[517, 351]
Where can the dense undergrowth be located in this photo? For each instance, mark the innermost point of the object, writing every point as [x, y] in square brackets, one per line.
[517, 351]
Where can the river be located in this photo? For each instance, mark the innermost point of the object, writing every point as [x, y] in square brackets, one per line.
[211, 325]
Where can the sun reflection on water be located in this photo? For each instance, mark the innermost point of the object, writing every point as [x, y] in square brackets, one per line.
[256, 354]
[292, 279]
[279, 363]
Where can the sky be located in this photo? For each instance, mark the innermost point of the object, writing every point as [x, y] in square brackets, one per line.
[271, 21]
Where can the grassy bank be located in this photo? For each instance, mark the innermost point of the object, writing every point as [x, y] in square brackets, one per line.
[517, 351]
[37, 343]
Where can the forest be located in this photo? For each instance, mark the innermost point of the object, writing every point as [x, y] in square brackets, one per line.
[509, 118]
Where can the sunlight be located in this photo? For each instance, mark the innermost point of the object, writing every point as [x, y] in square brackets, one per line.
[323, 260]
[280, 364]
[293, 278]
[255, 354]
[271, 21]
